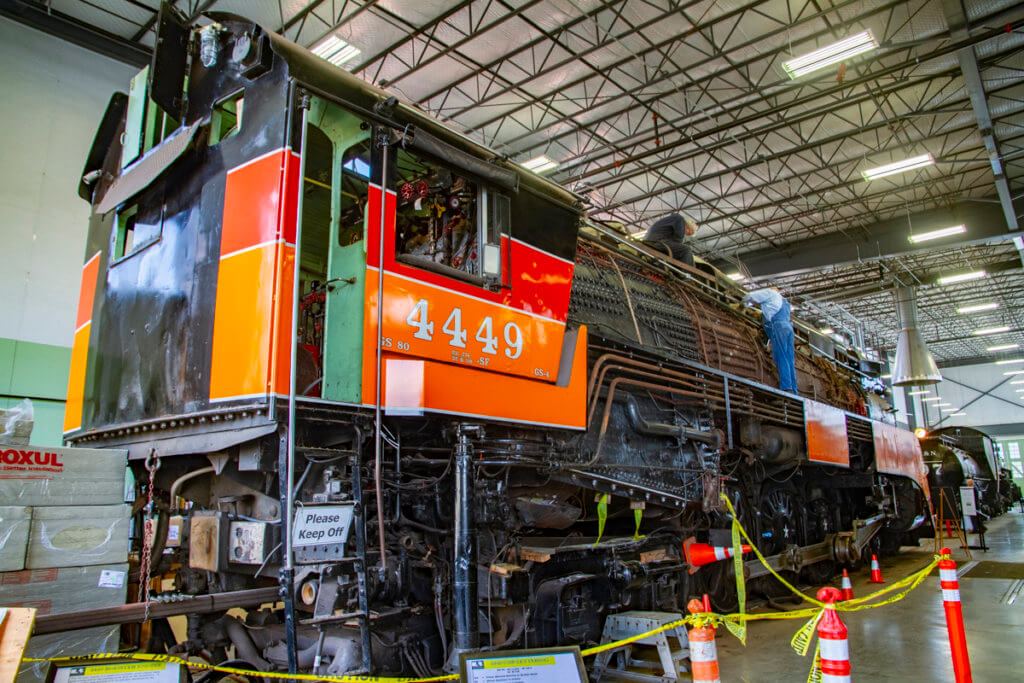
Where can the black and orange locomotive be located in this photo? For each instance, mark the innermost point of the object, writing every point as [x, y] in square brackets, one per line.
[363, 357]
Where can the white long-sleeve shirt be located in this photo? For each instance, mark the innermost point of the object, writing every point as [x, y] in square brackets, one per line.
[770, 300]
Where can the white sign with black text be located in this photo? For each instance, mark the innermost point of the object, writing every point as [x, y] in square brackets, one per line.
[967, 500]
[321, 524]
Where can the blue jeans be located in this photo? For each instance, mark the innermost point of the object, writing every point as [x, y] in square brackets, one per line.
[780, 332]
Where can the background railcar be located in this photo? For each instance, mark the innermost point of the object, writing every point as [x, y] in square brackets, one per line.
[359, 355]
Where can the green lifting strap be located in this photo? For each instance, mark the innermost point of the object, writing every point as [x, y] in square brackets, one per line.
[602, 517]
[638, 514]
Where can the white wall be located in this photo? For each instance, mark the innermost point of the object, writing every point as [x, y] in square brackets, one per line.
[54, 94]
[1003, 406]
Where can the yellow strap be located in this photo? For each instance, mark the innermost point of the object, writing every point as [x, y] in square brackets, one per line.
[602, 517]
[638, 514]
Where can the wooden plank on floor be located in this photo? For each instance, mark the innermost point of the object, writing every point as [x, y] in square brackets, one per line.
[14, 632]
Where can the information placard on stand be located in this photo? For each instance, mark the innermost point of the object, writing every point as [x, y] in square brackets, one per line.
[542, 665]
[117, 671]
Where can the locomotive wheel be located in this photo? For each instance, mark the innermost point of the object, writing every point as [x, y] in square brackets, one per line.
[781, 513]
[821, 521]
[721, 580]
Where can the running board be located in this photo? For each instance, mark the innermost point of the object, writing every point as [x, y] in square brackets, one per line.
[845, 548]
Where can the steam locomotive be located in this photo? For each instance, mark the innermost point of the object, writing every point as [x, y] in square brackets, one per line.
[352, 353]
[956, 455]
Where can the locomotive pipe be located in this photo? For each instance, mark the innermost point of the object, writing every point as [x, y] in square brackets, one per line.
[642, 426]
[464, 587]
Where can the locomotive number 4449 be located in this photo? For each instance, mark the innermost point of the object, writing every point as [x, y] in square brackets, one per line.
[419, 320]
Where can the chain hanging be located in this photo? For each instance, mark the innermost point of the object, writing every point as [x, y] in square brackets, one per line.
[148, 531]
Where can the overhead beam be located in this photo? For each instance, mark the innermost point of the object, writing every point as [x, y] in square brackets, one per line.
[67, 28]
[968, 60]
[984, 219]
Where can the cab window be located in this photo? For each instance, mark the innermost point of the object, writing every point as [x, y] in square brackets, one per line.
[443, 221]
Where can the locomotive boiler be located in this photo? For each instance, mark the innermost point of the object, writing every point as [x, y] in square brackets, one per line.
[353, 354]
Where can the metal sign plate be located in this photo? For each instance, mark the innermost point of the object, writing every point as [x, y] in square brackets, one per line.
[321, 525]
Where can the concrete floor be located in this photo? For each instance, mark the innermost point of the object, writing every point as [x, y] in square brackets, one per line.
[905, 641]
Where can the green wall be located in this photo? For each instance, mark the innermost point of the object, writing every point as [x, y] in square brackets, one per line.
[38, 372]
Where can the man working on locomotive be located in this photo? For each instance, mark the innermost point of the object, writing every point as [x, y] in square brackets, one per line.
[670, 233]
[777, 325]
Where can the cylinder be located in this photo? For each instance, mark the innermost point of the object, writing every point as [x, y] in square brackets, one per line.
[464, 583]
[833, 644]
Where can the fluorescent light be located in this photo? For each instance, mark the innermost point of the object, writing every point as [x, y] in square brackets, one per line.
[960, 414]
[923, 392]
[962, 277]
[992, 330]
[932, 398]
[936, 234]
[335, 50]
[1010, 361]
[942, 405]
[1014, 372]
[735, 276]
[1017, 381]
[889, 376]
[638, 234]
[830, 54]
[539, 164]
[899, 167]
[978, 307]
[827, 330]
[1003, 347]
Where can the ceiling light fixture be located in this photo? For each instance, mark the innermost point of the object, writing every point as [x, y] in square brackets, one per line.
[978, 307]
[962, 277]
[335, 50]
[991, 330]
[937, 234]
[735, 276]
[1014, 372]
[1003, 347]
[960, 414]
[1010, 361]
[917, 393]
[638, 234]
[830, 54]
[932, 398]
[898, 167]
[1017, 381]
[539, 164]
[827, 330]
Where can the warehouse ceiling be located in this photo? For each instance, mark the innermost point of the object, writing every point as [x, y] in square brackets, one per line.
[655, 106]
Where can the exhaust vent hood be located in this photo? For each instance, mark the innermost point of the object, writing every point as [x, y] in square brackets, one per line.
[914, 365]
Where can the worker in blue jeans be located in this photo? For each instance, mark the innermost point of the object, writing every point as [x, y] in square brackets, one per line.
[777, 325]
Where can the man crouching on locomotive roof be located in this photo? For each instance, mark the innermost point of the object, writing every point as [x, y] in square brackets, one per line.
[777, 325]
[670, 233]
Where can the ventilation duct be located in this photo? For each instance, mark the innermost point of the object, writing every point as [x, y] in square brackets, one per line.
[914, 364]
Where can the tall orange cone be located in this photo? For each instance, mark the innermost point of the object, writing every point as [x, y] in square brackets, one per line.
[876, 571]
[700, 554]
[703, 653]
[847, 587]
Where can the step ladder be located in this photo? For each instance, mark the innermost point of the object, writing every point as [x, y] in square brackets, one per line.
[628, 624]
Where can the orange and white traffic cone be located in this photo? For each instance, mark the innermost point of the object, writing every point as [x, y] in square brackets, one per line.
[847, 591]
[876, 571]
[700, 554]
[703, 653]
[833, 646]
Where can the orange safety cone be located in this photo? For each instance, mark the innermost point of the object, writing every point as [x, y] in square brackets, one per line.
[876, 571]
[703, 653]
[700, 554]
[847, 587]
[833, 646]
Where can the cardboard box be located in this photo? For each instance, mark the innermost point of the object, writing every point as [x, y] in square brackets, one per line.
[37, 476]
[71, 536]
[65, 589]
[81, 642]
[14, 527]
